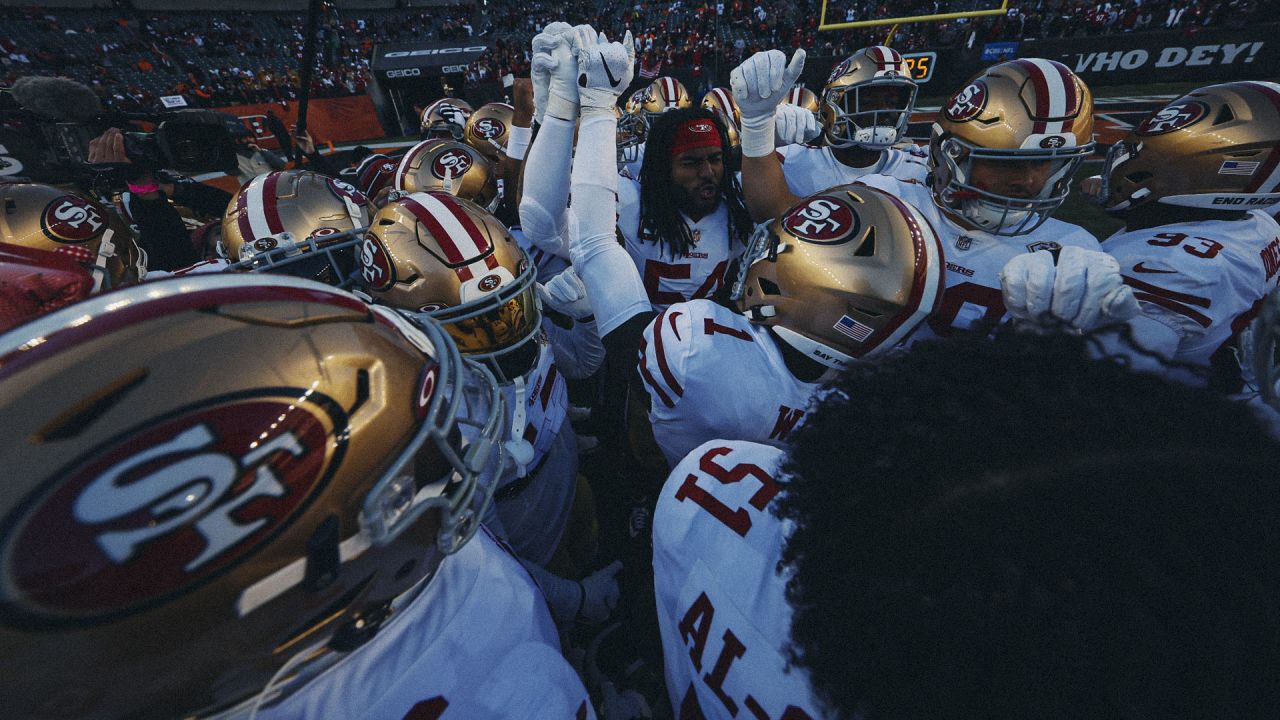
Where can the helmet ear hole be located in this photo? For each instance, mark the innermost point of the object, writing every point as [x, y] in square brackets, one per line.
[1138, 177]
[768, 287]
[868, 246]
[1224, 115]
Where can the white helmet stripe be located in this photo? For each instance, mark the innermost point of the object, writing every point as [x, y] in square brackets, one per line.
[1048, 80]
[255, 206]
[458, 237]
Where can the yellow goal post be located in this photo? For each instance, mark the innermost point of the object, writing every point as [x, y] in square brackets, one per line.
[823, 25]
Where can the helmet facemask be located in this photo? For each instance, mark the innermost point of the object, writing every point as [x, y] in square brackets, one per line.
[854, 121]
[329, 259]
[953, 164]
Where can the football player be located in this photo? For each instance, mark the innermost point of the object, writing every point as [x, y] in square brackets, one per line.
[1199, 251]
[1001, 550]
[864, 110]
[295, 222]
[68, 223]
[844, 276]
[431, 253]
[456, 168]
[295, 535]
[446, 118]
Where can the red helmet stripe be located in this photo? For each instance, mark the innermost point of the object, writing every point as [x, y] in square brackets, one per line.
[1040, 84]
[242, 214]
[1267, 178]
[271, 203]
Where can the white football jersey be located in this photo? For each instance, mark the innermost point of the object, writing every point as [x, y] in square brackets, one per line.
[810, 169]
[975, 258]
[722, 609]
[476, 642]
[1205, 280]
[698, 274]
[711, 374]
[532, 519]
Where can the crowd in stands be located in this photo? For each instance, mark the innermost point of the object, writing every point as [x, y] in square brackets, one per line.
[131, 57]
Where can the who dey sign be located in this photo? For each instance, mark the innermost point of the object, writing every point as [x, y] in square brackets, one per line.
[1206, 56]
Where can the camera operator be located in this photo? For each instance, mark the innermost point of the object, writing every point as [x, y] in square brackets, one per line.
[161, 230]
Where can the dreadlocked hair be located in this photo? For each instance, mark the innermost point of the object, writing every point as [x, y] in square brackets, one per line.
[660, 218]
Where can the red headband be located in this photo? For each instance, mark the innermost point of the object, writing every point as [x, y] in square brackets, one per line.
[694, 134]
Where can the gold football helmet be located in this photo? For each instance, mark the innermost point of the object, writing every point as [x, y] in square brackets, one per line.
[633, 128]
[295, 222]
[447, 118]
[844, 275]
[375, 173]
[665, 93]
[801, 96]
[1030, 116]
[236, 531]
[433, 253]
[489, 130]
[34, 282]
[1217, 148]
[720, 101]
[868, 100]
[451, 167]
[64, 221]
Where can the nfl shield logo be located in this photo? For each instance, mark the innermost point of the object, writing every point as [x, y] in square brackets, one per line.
[964, 242]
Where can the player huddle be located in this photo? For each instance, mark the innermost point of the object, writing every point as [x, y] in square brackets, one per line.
[332, 471]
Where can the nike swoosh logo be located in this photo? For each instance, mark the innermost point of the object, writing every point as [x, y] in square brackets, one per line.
[1143, 269]
[612, 80]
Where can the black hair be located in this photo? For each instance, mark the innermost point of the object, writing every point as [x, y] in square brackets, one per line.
[1008, 529]
[659, 211]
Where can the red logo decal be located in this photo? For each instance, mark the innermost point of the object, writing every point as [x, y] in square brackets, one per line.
[824, 220]
[966, 104]
[375, 264]
[839, 70]
[1174, 116]
[264, 244]
[453, 163]
[702, 127]
[70, 219]
[432, 307]
[349, 191]
[489, 283]
[426, 388]
[157, 511]
[1053, 142]
[490, 128]
[324, 232]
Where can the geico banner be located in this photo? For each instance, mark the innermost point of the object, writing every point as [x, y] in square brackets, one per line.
[395, 61]
[1209, 55]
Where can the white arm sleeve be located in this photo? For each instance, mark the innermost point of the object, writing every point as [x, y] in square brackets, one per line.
[1160, 341]
[578, 351]
[613, 284]
[543, 206]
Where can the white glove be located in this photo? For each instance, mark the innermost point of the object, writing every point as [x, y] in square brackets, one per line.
[600, 593]
[794, 125]
[1091, 188]
[540, 69]
[557, 60]
[758, 85]
[1083, 291]
[604, 72]
[566, 294]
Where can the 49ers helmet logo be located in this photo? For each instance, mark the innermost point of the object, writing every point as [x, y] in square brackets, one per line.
[157, 511]
[966, 104]
[1174, 116]
[70, 219]
[453, 163]
[349, 191]
[490, 128]
[375, 264]
[824, 220]
[840, 69]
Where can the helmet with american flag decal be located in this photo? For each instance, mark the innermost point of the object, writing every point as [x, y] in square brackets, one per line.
[1022, 113]
[295, 222]
[868, 99]
[433, 253]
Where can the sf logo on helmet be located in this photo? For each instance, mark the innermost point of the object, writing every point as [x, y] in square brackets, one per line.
[823, 220]
[489, 128]
[451, 163]
[375, 267]
[71, 219]
[157, 510]
[1174, 117]
[967, 103]
[839, 70]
